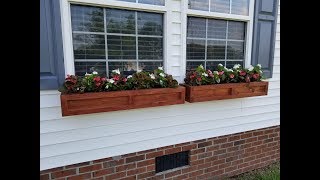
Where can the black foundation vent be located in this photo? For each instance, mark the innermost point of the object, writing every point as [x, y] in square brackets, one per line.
[172, 161]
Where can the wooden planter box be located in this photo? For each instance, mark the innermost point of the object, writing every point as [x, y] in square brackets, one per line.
[75, 104]
[225, 91]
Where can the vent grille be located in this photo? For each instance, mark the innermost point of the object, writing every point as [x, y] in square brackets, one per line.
[172, 161]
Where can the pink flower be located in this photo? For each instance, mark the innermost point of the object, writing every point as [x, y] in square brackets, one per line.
[221, 72]
[97, 79]
[116, 78]
[242, 73]
[255, 76]
[247, 79]
[103, 79]
[124, 79]
[98, 84]
[199, 78]
[231, 76]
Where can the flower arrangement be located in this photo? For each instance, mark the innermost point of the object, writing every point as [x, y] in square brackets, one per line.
[118, 82]
[237, 74]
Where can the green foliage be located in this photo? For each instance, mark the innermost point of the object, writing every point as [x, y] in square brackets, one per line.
[271, 172]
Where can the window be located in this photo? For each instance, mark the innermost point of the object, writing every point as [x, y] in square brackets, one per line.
[214, 41]
[239, 7]
[153, 2]
[105, 39]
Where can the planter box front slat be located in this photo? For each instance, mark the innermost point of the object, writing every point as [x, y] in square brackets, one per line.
[225, 91]
[76, 104]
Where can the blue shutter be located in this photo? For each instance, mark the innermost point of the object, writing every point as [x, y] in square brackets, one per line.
[51, 52]
[264, 32]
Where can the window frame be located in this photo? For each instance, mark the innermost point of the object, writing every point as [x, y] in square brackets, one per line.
[65, 6]
[186, 12]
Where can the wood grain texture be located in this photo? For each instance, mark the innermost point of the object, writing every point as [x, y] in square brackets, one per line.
[76, 104]
[225, 91]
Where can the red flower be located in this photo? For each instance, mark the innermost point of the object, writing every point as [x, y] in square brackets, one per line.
[103, 79]
[192, 76]
[242, 73]
[221, 72]
[98, 84]
[97, 79]
[231, 76]
[199, 78]
[116, 78]
[255, 76]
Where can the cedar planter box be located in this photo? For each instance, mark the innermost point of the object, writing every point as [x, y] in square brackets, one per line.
[225, 91]
[75, 104]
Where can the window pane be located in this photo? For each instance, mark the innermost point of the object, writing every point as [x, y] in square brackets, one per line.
[217, 29]
[196, 27]
[199, 5]
[149, 66]
[85, 18]
[230, 64]
[150, 48]
[235, 50]
[236, 30]
[212, 65]
[120, 21]
[195, 49]
[222, 6]
[150, 23]
[192, 65]
[240, 7]
[88, 46]
[155, 2]
[126, 68]
[121, 47]
[216, 49]
[81, 68]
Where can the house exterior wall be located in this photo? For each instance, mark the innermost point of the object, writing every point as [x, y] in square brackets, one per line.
[76, 139]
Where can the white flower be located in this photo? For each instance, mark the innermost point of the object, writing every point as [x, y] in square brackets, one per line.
[94, 72]
[250, 68]
[152, 76]
[160, 68]
[129, 77]
[77, 89]
[205, 74]
[138, 71]
[201, 66]
[215, 72]
[87, 74]
[236, 66]
[260, 72]
[230, 70]
[259, 65]
[107, 86]
[161, 82]
[218, 80]
[117, 71]
[220, 64]
[110, 81]
[162, 74]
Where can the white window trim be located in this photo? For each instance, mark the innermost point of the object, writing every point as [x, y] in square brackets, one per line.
[185, 12]
[67, 30]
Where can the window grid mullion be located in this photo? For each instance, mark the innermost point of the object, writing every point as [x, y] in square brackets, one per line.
[106, 41]
[136, 24]
[225, 54]
[206, 46]
[230, 6]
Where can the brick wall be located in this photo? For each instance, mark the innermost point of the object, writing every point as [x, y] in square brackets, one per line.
[217, 157]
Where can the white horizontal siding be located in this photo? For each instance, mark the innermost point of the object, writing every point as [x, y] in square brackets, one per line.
[75, 139]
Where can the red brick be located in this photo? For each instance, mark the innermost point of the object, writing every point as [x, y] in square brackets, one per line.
[249, 159]
[90, 168]
[103, 172]
[239, 161]
[220, 140]
[257, 143]
[189, 147]
[172, 150]
[64, 173]
[99, 178]
[78, 165]
[273, 135]
[250, 149]
[218, 172]
[245, 146]
[204, 176]
[265, 159]
[220, 161]
[156, 177]
[234, 138]
[221, 151]
[136, 171]
[204, 144]
[211, 169]
[145, 163]
[171, 174]
[252, 139]
[269, 131]
[189, 169]
[51, 170]
[125, 167]
[196, 173]
[277, 130]
[182, 144]
[151, 168]
[228, 159]
[272, 144]
[246, 135]
[204, 155]
[147, 151]
[181, 177]
[226, 145]
[242, 165]
[257, 133]
[193, 163]
[231, 168]
[236, 143]
[145, 175]
[102, 160]
[224, 165]
[44, 177]
[200, 141]
[113, 163]
[154, 154]
[210, 159]
[205, 165]
[255, 162]
[129, 155]
[129, 178]
[262, 137]
[135, 158]
[165, 147]
[213, 148]
[80, 177]
[116, 176]
[197, 151]
[260, 155]
[232, 149]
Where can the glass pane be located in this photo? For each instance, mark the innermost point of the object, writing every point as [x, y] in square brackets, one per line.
[150, 66]
[192, 65]
[240, 7]
[230, 64]
[217, 29]
[221, 6]
[121, 47]
[81, 68]
[216, 49]
[85, 18]
[199, 5]
[235, 50]
[120, 21]
[155, 2]
[195, 49]
[236, 30]
[212, 65]
[126, 68]
[150, 48]
[88, 46]
[196, 27]
[150, 23]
